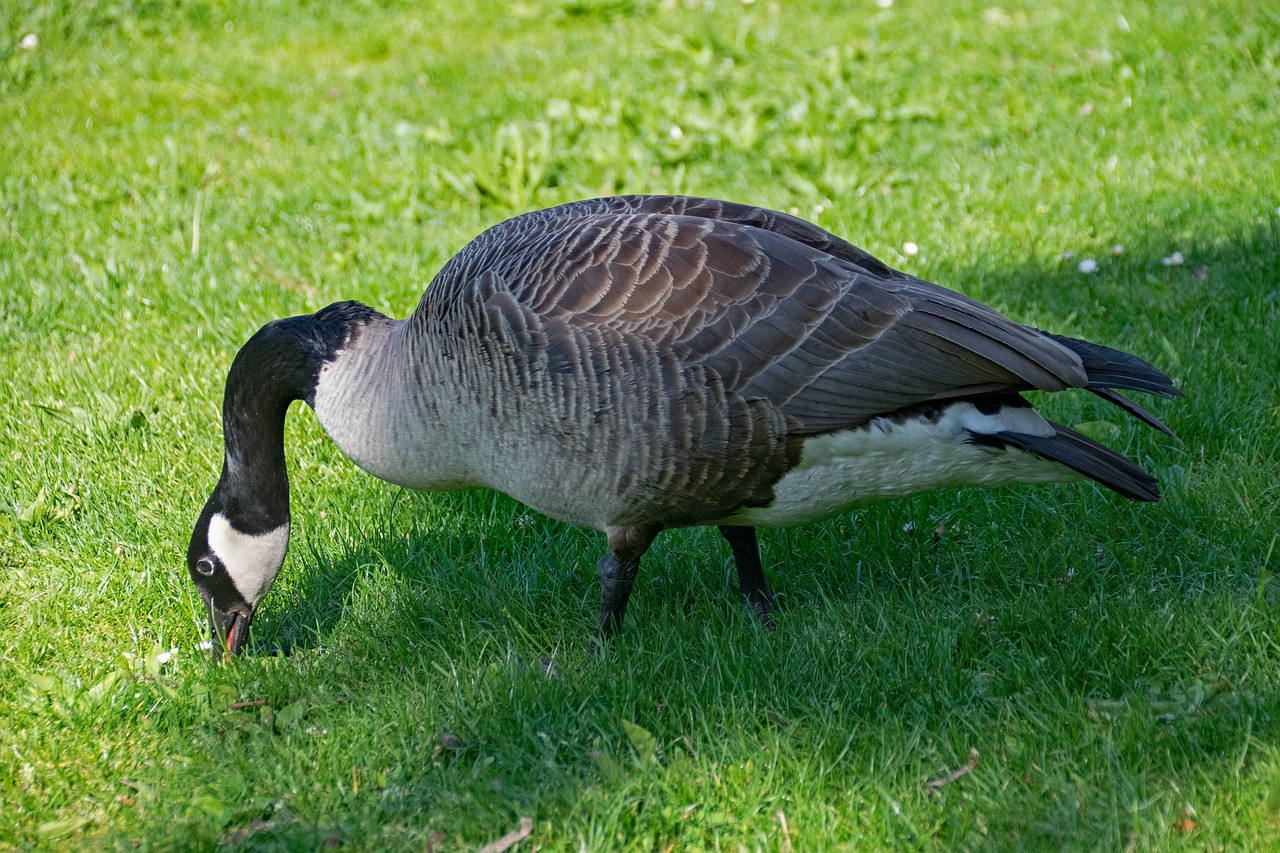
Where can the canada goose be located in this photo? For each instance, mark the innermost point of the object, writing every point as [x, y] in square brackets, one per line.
[637, 363]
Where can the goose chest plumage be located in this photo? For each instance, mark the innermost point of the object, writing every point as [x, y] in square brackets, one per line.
[639, 363]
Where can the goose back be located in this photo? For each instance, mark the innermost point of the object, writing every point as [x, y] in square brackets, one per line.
[776, 308]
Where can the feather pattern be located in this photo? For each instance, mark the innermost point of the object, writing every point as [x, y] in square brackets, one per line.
[779, 309]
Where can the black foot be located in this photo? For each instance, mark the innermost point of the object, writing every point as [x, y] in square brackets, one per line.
[756, 594]
[617, 571]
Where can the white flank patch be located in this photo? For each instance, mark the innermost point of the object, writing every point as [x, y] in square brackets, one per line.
[842, 470]
[252, 559]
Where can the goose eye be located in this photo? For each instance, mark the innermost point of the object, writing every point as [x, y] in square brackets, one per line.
[205, 567]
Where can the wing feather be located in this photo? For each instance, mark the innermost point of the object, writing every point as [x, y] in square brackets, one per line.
[777, 308]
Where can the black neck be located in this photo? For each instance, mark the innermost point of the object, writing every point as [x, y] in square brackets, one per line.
[278, 365]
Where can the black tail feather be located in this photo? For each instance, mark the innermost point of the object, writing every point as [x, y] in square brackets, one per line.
[1112, 368]
[1086, 456]
[1137, 411]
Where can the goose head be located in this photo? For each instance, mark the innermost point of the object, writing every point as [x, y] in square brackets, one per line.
[233, 568]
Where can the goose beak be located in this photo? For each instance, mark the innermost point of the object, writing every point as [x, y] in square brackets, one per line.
[230, 631]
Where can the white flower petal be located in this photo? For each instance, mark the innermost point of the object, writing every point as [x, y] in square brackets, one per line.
[1088, 265]
[910, 249]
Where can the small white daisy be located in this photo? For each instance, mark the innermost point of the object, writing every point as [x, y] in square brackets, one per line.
[1176, 259]
[676, 132]
[1068, 255]
[910, 249]
[205, 645]
[29, 42]
[1117, 250]
[1088, 266]
[908, 527]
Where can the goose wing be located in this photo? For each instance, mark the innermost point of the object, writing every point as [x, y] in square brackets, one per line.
[780, 309]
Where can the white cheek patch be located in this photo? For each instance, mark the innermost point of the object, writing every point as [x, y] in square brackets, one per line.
[252, 559]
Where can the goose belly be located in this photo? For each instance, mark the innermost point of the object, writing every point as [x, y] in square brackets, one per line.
[892, 457]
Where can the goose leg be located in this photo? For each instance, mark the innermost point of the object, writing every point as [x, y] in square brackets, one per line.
[755, 590]
[617, 572]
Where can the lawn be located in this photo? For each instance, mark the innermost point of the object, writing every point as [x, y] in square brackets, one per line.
[174, 175]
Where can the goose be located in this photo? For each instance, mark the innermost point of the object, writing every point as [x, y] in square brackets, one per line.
[638, 363]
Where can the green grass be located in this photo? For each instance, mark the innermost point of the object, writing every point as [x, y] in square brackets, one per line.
[174, 175]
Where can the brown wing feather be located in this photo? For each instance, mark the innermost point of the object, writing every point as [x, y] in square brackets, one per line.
[781, 310]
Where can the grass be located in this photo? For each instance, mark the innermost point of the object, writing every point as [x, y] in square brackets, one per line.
[175, 175]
